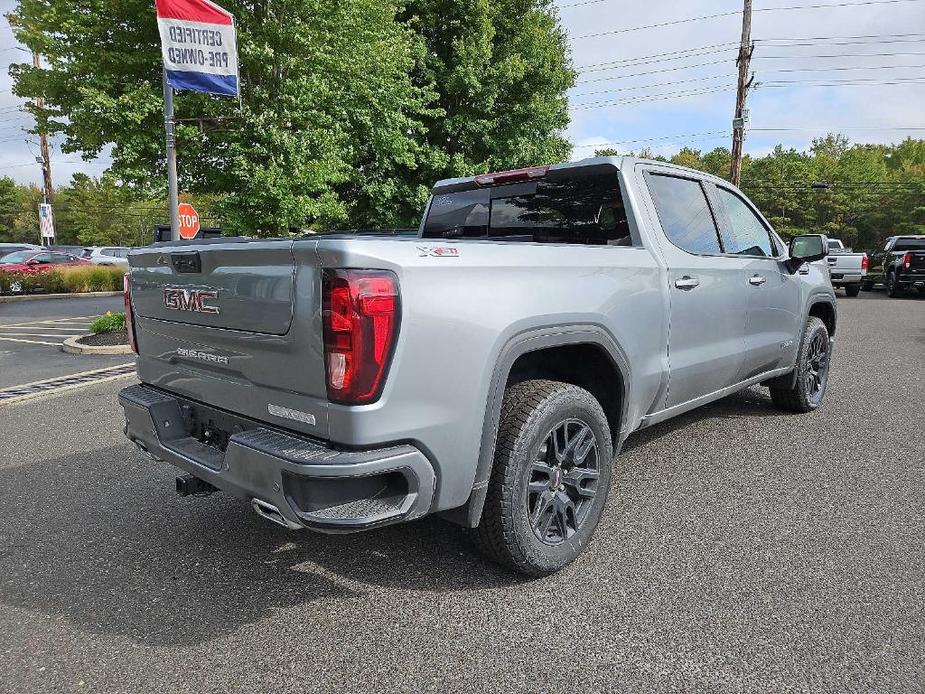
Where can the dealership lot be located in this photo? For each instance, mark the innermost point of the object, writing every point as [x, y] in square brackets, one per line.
[31, 333]
[742, 549]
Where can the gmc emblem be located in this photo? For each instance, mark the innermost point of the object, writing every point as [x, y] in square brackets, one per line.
[190, 300]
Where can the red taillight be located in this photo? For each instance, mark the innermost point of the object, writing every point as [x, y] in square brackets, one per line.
[129, 323]
[865, 262]
[360, 312]
[907, 260]
[530, 174]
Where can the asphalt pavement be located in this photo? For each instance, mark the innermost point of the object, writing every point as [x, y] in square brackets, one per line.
[742, 549]
[31, 333]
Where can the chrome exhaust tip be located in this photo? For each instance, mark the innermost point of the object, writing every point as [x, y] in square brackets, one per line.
[271, 513]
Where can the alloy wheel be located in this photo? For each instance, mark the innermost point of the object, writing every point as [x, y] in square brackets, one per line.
[817, 367]
[562, 481]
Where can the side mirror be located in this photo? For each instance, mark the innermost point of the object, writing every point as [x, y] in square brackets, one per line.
[807, 249]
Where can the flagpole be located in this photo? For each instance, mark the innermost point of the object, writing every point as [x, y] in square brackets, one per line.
[173, 201]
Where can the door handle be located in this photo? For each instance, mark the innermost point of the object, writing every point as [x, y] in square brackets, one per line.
[686, 283]
[757, 280]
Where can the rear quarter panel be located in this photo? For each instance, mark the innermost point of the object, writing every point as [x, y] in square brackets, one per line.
[459, 310]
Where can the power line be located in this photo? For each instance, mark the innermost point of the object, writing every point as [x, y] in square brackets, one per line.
[711, 135]
[715, 77]
[840, 129]
[771, 85]
[652, 86]
[795, 42]
[756, 57]
[728, 14]
[653, 72]
[654, 97]
[841, 83]
[651, 139]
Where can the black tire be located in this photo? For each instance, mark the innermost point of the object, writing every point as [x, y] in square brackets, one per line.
[852, 290]
[812, 371]
[539, 531]
[893, 289]
[866, 286]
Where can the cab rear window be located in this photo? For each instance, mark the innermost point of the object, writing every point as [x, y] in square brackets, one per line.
[568, 206]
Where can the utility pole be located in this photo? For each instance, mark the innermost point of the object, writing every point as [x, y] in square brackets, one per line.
[45, 157]
[738, 122]
[173, 201]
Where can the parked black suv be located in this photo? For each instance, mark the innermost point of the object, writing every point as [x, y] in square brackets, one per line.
[900, 265]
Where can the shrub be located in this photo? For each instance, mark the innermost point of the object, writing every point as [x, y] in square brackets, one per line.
[89, 278]
[108, 323]
[92, 278]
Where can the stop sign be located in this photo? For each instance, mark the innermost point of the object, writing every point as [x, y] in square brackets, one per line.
[189, 221]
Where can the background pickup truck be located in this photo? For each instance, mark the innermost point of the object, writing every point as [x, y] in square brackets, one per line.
[846, 268]
[900, 265]
[487, 369]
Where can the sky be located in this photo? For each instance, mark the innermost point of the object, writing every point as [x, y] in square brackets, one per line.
[856, 67]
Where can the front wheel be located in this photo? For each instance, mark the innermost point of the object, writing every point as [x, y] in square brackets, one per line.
[812, 371]
[551, 475]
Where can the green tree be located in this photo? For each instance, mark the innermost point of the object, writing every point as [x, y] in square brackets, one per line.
[19, 212]
[501, 69]
[350, 108]
[10, 201]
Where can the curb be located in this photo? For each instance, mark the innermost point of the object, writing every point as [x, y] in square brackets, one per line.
[76, 295]
[72, 345]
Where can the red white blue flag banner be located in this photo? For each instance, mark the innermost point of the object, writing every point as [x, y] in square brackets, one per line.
[199, 46]
[46, 222]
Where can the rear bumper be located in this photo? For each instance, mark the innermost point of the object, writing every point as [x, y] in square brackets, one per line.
[911, 280]
[289, 479]
[841, 279]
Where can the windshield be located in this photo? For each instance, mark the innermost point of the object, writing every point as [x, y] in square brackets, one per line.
[17, 257]
[909, 245]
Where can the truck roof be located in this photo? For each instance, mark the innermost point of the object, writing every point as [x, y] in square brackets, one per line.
[466, 182]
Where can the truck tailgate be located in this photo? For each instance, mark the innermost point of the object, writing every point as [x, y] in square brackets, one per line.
[236, 325]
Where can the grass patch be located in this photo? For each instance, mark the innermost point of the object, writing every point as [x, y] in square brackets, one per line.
[91, 278]
[108, 323]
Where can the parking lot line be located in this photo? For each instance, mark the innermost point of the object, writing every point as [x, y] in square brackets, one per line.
[61, 335]
[32, 342]
[41, 327]
[52, 320]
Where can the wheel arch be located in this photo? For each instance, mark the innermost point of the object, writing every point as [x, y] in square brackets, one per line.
[824, 310]
[542, 353]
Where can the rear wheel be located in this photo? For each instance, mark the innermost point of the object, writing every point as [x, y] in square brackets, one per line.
[812, 371]
[893, 289]
[867, 286]
[852, 290]
[551, 475]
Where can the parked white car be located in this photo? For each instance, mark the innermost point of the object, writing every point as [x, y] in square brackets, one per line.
[106, 255]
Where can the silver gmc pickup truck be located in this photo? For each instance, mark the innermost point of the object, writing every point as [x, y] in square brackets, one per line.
[487, 368]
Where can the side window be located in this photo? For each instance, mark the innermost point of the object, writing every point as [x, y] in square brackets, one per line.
[684, 213]
[573, 207]
[43, 258]
[463, 214]
[746, 234]
[58, 258]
